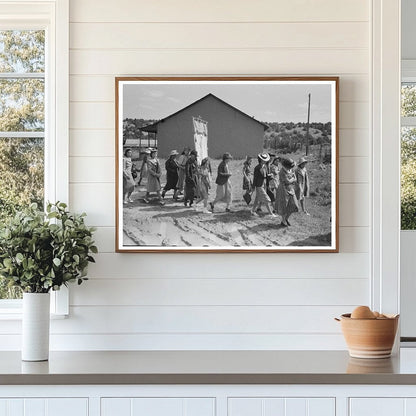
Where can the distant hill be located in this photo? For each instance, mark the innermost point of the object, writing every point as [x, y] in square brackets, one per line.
[289, 137]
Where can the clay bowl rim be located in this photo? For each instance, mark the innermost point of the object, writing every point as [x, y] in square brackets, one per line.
[347, 316]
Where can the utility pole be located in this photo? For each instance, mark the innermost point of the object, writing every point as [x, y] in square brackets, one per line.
[307, 125]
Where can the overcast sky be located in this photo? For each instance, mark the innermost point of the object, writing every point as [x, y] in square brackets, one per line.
[277, 102]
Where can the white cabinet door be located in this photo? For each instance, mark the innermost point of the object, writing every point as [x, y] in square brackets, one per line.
[160, 406]
[44, 407]
[270, 406]
[376, 406]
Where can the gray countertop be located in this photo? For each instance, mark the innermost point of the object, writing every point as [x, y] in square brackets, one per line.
[207, 367]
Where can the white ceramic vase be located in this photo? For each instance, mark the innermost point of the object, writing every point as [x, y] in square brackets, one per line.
[35, 326]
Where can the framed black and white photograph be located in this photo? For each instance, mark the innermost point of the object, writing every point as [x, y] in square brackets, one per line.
[227, 164]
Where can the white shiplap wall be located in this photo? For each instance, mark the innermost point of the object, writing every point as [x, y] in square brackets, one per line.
[174, 301]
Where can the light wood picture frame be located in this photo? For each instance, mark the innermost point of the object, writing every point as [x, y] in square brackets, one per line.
[227, 164]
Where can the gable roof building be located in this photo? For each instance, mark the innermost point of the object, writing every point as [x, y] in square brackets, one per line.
[229, 129]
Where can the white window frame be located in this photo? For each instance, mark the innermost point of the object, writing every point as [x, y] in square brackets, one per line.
[385, 96]
[53, 17]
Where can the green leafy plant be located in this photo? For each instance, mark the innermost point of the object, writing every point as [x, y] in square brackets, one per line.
[43, 251]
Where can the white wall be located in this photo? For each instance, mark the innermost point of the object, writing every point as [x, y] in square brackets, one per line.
[161, 301]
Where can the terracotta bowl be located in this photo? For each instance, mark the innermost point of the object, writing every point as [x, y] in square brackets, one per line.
[369, 338]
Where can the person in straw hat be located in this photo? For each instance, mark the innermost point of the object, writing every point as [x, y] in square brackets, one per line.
[223, 183]
[286, 201]
[171, 174]
[302, 177]
[259, 182]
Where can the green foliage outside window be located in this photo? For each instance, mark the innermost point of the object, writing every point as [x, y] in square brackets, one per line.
[408, 160]
[21, 110]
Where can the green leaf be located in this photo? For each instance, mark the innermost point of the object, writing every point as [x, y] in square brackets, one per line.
[7, 262]
[56, 262]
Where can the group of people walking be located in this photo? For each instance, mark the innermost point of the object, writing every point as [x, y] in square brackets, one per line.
[280, 185]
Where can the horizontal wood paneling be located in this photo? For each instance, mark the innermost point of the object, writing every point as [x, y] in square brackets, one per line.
[218, 11]
[354, 170]
[92, 169]
[354, 239]
[288, 296]
[219, 62]
[194, 320]
[218, 36]
[146, 342]
[100, 88]
[354, 205]
[92, 115]
[96, 199]
[159, 265]
[95, 143]
[220, 291]
[105, 238]
[354, 142]
[201, 319]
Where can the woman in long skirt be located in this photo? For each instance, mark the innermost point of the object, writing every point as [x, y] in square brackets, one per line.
[154, 174]
[204, 183]
[286, 201]
[224, 193]
[128, 181]
[143, 168]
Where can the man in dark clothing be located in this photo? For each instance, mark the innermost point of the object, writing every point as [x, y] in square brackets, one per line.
[191, 172]
[171, 174]
[224, 193]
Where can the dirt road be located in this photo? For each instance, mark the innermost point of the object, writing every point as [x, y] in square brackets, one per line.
[176, 225]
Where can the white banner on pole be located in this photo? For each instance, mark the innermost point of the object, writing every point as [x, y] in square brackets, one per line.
[200, 137]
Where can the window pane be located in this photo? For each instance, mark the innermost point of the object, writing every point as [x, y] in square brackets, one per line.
[21, 109]
[22, 104]
[408, 178]
[21, 173]
[22, 51]
[21, 182]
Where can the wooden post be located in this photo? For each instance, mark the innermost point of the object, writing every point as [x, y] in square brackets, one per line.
[307, 124]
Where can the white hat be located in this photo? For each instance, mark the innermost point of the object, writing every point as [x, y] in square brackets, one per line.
[265, 157]
[173, 153]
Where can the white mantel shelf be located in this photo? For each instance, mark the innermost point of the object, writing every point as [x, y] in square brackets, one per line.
[207, 367]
